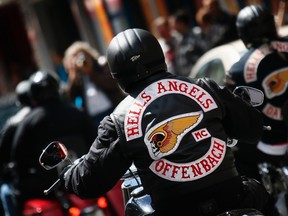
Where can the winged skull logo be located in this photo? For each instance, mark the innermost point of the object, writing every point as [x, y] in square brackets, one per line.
[165, 137]
[276, 83]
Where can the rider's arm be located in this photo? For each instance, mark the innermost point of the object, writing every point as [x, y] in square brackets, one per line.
[101, 168]
[241, 120]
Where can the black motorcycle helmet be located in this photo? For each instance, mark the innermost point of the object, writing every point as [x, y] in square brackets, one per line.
[256, 25]
[134, 55]
[23, 93]
[44, 86]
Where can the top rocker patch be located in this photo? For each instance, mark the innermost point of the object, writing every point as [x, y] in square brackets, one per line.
[133, 120]
[250, 68]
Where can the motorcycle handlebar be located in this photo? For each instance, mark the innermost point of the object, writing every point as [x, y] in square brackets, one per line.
[52, 187]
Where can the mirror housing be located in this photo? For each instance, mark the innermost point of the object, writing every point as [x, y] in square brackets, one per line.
[251, 95]
[53, 155]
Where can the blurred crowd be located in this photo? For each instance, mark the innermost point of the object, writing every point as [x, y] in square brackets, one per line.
[52, 108]
[183, 42]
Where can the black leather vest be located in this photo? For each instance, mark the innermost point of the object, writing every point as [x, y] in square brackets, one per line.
[172, 129]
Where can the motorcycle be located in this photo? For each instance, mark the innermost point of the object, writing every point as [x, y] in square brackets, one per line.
[275, 180]
[66, 204]
[139, 203]
[136, 201]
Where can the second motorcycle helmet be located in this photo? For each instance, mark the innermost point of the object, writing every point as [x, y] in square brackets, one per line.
[256, 25]
[44, 86]
[134, 55]
[23, 93]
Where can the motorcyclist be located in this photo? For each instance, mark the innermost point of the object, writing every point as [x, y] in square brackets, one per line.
[8, 130]
[263, 66]
[6, 137]
[50, 119]
[174, 129]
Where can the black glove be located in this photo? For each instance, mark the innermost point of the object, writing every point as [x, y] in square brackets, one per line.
[66, 172]
[62, 176]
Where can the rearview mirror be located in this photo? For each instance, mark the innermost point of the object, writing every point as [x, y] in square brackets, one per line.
[54, 154]
[252, 95]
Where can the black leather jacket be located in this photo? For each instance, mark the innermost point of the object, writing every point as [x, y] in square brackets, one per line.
[175, 130]
[44, 124]
[265, 68]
